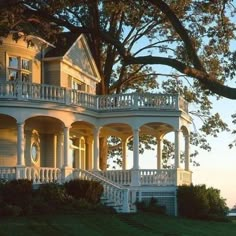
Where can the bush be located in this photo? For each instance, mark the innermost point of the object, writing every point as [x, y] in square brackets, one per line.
[200, 203]
[89, 190]
[17, 193]
[51, 194]
[151, 206]
[10, 210]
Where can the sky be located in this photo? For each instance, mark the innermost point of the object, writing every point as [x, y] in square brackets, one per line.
[218, 167]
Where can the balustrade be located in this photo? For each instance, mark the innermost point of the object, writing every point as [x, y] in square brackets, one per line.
[8, 173]
[43, 174]
[150, 177]
[118, 176]
[157, 177]
[50, 93]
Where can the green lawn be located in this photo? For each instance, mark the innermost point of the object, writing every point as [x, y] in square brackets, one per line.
[103, 224]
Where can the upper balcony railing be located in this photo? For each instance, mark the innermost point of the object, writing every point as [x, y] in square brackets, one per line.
[131, 101]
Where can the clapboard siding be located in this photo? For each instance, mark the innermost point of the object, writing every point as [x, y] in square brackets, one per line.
[8, 147]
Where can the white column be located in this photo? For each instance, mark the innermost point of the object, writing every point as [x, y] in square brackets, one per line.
[96, 148]
[187, 143]
[66, 146]
[135, 174]
[20, 144]
[59, 163]
[159, 153]
[89, 153]
[136, 149]
[124, 157]
[177, 149]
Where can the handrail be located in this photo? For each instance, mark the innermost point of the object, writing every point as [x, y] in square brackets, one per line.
[131, 101]
[112, 191]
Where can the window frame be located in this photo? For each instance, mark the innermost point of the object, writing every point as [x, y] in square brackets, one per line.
[20, 73]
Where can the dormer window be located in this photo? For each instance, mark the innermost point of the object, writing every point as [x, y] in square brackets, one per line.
[19, 69]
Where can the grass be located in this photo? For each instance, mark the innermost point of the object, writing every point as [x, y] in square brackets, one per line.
[102, 224]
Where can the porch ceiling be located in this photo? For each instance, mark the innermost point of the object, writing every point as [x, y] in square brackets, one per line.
[44, 124]
[156, 129]
[116, 129]
[82, 128]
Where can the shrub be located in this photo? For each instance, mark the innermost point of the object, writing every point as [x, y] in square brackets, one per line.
[200, 203]
[89, 190]
[151, 206]
[17, 193]
[10, 210]
[52, 193]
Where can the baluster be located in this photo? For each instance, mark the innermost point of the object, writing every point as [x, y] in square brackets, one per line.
[41, 175]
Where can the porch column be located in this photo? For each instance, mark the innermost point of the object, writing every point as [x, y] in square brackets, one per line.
[96, 148]
[66, 146]
[89, 153]
[159, 153]
[135, 175]
[187, 143]
[124, 156]
[59, 163]
[136, 149]
[67, 170]
[103, 152]
[20, 144]
[177, 148]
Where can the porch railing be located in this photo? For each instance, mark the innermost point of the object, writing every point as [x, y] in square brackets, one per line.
[171, 177]
[50, 93]
[113, 192]
[42, 174]
[122, 177]
[8, 173]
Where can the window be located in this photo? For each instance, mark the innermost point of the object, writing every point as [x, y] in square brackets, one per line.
[78, 85]
[19, 69]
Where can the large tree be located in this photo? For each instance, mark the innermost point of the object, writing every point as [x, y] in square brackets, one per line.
[183, 46]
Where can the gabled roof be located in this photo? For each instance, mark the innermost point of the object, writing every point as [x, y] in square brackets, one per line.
[64, 42]
[73, 49]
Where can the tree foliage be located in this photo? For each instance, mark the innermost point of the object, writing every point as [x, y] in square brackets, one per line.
[170, 46]
[200, 202]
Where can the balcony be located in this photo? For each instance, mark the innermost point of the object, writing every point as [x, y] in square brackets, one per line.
[100, 103]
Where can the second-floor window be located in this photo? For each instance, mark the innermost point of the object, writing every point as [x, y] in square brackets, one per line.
[78, 85]
[19, 69]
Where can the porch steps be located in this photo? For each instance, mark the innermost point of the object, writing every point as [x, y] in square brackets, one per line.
[105, 201]
[116, 207]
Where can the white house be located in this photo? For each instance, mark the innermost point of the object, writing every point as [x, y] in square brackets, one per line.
[51, 122]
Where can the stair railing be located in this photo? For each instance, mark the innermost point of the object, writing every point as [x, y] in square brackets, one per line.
[112, 191]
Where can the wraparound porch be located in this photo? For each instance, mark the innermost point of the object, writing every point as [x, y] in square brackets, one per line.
[119, 191]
